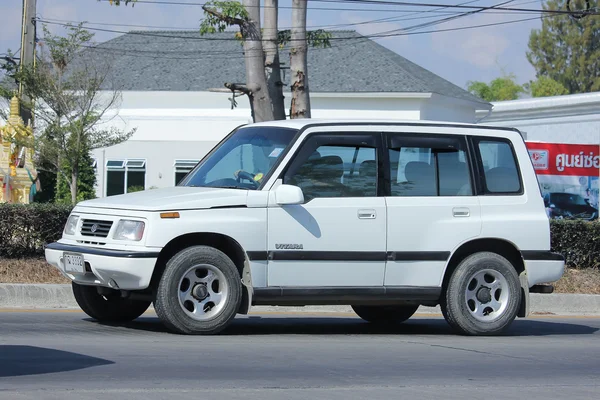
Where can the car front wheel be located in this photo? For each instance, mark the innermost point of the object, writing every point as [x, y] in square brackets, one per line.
[200, 291]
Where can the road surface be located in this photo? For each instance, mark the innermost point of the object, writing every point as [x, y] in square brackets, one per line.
[65, 355]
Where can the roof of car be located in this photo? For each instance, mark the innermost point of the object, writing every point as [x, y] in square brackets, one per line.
[302, 123]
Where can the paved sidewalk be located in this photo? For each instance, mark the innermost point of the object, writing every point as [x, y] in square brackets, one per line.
[60, 296]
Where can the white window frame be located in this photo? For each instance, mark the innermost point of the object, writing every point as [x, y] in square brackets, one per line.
[127, 164]
[183, 165]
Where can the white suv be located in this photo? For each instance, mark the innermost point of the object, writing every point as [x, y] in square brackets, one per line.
[382, 216]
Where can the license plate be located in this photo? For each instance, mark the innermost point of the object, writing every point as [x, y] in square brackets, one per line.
[74, 263]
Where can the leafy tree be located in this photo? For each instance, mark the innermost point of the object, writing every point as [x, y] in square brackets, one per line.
[502, 88]
[567, 49]
[545, 87]
[71, 99]
[85, 184]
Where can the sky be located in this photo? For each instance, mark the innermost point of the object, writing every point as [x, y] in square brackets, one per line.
[481, 53]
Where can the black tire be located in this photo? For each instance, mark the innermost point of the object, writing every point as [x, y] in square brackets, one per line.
[167, 303]
[393, 314]
[107, 308]
[456, 310]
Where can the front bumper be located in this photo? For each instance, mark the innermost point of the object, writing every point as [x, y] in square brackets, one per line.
[117, 269]
[543, 267]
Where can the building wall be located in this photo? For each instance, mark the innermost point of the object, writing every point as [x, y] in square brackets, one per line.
[571, 119]
[441, 108]
[185, 126]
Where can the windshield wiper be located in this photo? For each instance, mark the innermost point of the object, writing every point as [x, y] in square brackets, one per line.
[220, 187]
[229, 187]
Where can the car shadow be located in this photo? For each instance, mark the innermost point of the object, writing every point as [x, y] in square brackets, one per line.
[319, 325]
[17, 360]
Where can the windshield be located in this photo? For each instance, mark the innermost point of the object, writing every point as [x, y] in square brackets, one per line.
[567, 198]
[242, 160]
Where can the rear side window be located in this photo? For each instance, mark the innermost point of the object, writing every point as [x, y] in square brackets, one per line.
[499, 166]
[428, 165]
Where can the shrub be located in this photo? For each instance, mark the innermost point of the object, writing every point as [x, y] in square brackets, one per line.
[132, 189]
[25, 229]
[578, 242]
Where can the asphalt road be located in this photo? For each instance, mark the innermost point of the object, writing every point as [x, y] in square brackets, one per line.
[64, 355]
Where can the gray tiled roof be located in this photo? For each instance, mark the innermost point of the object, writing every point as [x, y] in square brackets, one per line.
[188, 61]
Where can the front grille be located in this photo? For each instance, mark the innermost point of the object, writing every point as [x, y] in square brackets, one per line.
[91, 242]
[95, 228]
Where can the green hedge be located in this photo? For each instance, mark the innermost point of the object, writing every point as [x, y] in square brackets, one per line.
[26, 229]
[578, 242]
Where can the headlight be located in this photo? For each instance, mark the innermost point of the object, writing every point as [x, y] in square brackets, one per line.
[129, 230]
[71, 224]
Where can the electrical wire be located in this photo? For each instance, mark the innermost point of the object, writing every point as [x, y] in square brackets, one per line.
[213, 38]
[386, 3]
[235, 54]
[232, 54]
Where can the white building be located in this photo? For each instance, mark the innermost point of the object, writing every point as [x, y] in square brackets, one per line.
[561, 119]
[167, 81]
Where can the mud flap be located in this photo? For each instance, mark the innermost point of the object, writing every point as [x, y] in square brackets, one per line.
[524, 306]
[247, 290]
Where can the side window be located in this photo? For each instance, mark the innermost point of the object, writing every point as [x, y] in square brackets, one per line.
[328, 166]
[429, 166]
[499, 166]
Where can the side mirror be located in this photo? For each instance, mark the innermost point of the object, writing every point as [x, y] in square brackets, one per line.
[288, 195]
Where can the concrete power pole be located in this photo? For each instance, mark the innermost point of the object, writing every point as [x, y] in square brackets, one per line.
[28, 42]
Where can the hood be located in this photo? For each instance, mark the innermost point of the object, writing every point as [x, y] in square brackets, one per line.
[172, 198]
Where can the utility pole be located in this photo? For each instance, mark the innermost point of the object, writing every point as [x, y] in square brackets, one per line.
[28, 42]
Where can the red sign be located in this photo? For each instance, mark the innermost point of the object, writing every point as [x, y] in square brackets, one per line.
[565, 159]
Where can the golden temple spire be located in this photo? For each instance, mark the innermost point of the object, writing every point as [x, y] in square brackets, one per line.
[14, 106]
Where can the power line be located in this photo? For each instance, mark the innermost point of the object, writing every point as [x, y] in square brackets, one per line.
[230, 55]
[412, 4]
[443, 20]
[178, 3]
[386, 3]
[418, 15]
[208, 38]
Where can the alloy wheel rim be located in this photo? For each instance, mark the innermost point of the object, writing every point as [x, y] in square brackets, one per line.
[202, 292]
[486, 295]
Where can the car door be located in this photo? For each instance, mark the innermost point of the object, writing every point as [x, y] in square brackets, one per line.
[431, 206]
[337, 238]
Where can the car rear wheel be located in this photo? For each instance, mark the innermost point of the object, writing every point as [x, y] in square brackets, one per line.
[385, 314]
[200, 291]
[108, 306]
[483, 295]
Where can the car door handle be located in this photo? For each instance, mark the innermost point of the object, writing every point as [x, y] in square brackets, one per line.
[367, 214]
[461, 212]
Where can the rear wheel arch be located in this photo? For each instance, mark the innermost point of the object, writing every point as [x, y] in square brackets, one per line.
[501, 247]
[224, 243]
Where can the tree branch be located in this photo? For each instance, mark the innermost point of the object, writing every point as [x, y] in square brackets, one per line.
[225, 18]
[240, 87]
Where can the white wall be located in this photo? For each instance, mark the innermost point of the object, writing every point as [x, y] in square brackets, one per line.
[561, 119]
[441, 108]
[186, 125]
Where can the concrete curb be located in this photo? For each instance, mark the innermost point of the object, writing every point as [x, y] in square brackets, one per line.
[48, 296]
